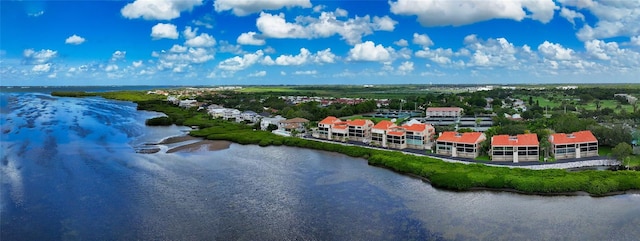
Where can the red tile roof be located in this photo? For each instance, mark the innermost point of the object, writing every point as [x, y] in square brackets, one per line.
[329, 120]
[340, 127]
[466, 138]
[576, 137]
[519, 140]
[444, 109]
[359, 122]
[383, 125]
[395, 133]
[417, 127]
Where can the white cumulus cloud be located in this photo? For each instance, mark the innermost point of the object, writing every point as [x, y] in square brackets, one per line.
[164, 30]
[326, 25]
[258, 74]
[239, 63]
[246, 7]
[250, 39]
[614, 19]
[158, 9]
[305, 72]
[176, 48]
[422, 40]
[302, 58]
[439, 55]
[324, 56]
[201, 41]
[483, 53]
[38, 57]
[571, 15]
[369, 51]
[457, 13]
[111, 68]
[118, 55]
[402, 43]
[405, 67]
[635, 41]
[555, 51]
[75, 40]
[180, 61]
[189, 32]
[41, 67]
[383, 23]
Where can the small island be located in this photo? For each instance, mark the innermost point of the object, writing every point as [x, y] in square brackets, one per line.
[512, 116]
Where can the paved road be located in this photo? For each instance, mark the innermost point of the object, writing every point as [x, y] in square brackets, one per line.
[459, 159]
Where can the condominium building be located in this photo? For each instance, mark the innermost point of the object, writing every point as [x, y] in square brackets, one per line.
[456, 144]
[379, 133]
[325, 127]
[574, 145]
[359, 129]
[419, 136]
[444, 112]
[519, 148]
[332, 128]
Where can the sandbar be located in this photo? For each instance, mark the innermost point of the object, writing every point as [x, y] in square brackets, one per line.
[210, 145]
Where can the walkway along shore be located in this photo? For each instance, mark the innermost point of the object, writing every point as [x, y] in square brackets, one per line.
[563, 164]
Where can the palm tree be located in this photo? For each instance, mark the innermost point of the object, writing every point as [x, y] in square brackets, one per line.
[598, 104]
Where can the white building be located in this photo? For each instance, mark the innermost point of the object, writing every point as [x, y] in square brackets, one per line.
[265, 122]
[231, 114]
[188, 103]
[250, 116]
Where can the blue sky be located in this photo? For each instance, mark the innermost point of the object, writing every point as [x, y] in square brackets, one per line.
[247, 42]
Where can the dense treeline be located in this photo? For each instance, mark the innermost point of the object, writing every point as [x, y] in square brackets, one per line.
[159, 121]
[72, 94]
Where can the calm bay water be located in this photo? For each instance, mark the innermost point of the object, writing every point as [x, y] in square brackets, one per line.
[70, 172]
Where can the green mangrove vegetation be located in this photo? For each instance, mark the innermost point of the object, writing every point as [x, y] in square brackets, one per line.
[451, 176]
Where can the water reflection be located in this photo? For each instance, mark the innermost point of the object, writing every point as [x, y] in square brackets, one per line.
[70, 171]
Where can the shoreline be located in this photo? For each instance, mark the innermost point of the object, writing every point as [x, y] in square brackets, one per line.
[508, 190]
[441, 174]
[200, 144]
[209, 145]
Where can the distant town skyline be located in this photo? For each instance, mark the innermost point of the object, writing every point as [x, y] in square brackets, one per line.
[306, 42]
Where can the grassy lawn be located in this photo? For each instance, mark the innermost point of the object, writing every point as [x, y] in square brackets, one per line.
[546, 102]
[606, 104]
[483, 158]
[634, 161]
[604, 150]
